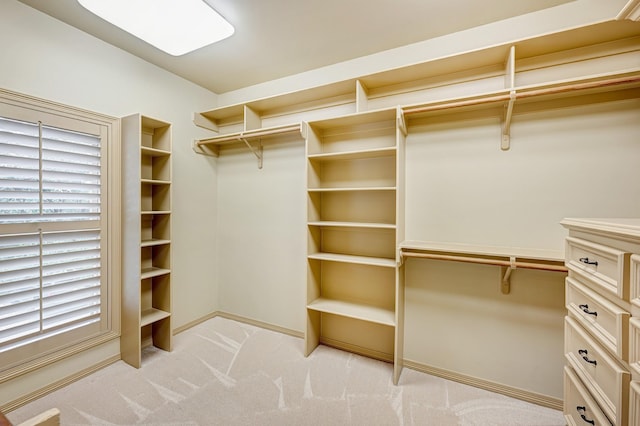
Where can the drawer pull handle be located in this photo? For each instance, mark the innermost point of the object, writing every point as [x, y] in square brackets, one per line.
[584, 354]
[586, 261]
[582, 411]
[585, 309]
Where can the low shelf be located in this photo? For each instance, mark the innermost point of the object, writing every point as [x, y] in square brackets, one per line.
[151, 315]
[354, 310]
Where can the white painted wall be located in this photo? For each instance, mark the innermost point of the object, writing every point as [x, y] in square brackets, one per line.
[262, 233]
[575, 161]
[43, 57]
[46, 58]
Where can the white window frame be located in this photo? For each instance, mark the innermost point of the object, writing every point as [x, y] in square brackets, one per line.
[26, 108]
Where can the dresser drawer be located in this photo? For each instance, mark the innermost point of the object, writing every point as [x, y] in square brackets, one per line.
[606, 379]
[579, 407]
[634, 403]
[635, 280]
[634, 344]
[604, 266]
[605, 320]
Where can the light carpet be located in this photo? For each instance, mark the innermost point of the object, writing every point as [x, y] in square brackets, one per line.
[223, 372]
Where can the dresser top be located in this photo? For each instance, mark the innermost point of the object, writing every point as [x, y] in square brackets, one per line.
[616, 227]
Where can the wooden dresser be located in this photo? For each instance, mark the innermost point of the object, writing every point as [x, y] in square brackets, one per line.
[602, 327]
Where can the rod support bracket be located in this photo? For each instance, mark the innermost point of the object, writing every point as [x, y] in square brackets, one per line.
[258, 152]
[505, 276]
[505, 144]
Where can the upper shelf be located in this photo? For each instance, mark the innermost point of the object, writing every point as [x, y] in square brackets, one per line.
[597, 58]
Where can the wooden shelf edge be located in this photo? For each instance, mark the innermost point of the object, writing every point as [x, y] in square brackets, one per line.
[251, 134]
[347, 189]
[155, 181]
[354, 310]
[151, 315]
[365, 153]
[153, 272]
[154, 152]
[365, 225]
[347, 258]
[154, 242]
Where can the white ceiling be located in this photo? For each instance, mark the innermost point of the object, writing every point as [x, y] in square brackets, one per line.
[277, 38]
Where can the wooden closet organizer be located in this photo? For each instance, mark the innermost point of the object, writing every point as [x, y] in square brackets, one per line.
[146, 288]
[585, 65]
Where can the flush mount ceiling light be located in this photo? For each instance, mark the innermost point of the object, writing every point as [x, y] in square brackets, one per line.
[174, 26]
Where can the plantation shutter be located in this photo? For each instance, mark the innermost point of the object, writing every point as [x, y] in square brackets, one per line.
[50, 232]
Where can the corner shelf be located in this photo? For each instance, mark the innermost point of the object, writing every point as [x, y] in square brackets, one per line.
[146, 292]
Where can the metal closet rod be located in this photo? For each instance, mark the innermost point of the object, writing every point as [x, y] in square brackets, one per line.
[485, 261]
[525, 94]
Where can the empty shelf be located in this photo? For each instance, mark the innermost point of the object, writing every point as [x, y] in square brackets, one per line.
[153, 272]
[348, 258]
[354, 310]
[151, 315]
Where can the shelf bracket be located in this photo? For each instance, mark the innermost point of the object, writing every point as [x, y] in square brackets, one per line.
[204, 150]
[505, 276]
[257, 152]
[506, 124]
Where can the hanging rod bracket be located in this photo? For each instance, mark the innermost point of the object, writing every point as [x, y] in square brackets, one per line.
[505, 275]
[256, 151]
[506, 123]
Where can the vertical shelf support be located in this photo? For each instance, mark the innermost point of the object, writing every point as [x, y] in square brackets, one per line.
[506, 123]
[257, 152]
[362, 96]
[510, 81]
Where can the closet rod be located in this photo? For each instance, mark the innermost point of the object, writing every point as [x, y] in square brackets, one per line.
[250, 134]
[526, 94]
[458, 104]
[579, 86]
[485, 261]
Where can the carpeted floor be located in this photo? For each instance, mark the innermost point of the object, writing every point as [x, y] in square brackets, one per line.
[222, 372]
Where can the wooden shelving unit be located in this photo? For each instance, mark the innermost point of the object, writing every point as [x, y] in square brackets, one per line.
[354, 296]
[146, 294]
[355, 131]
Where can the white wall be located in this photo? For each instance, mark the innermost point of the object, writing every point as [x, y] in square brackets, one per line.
[574, 161]
[262, 233]
[45, 58]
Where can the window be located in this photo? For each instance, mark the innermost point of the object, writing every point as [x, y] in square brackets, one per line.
[58, 226]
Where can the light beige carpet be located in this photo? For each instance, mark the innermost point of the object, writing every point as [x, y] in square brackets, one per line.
[222, 372]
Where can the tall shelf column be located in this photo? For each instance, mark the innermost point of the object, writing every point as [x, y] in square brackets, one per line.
[146, 293]
[353, 284]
